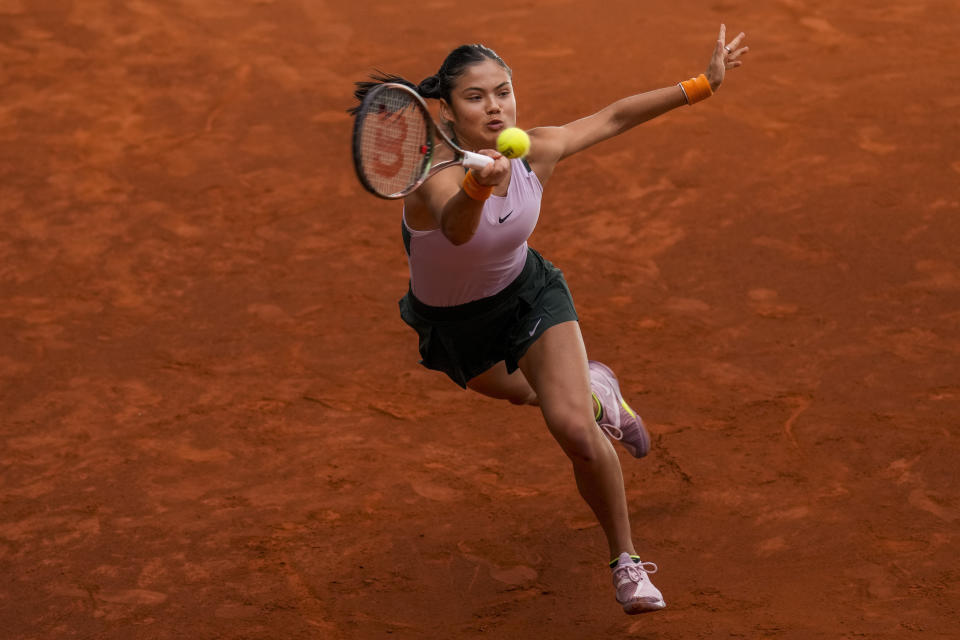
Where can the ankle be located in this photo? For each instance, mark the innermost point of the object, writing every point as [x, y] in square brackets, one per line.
[616, 558]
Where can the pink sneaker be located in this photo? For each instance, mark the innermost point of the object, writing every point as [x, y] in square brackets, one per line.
[635, 592]
[618, 420]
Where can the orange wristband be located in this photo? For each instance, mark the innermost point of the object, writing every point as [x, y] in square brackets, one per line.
[696, 89]
[474, 189]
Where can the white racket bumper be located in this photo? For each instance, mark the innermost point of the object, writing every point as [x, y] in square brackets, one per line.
[473, 160]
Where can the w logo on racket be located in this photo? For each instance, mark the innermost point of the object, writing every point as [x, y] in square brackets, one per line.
[391, 133]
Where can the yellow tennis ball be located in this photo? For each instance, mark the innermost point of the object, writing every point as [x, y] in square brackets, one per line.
[513, 142]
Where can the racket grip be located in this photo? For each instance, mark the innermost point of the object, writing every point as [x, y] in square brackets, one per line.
[473, 160]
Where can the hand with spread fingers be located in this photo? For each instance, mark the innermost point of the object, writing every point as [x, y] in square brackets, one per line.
[725, 56]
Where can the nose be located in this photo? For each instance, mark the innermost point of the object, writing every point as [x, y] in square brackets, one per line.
[494, 106]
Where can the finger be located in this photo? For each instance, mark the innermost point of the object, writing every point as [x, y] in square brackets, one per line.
[739, 52]
[723, 34]
[733, 44]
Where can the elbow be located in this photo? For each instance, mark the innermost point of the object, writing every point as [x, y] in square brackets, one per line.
[620, 124]
[457, 239]
[456, 234]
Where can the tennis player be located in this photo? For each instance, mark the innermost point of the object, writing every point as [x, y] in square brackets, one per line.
[497, 317]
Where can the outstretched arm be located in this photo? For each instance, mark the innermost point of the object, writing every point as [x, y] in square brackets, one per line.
[562, 142]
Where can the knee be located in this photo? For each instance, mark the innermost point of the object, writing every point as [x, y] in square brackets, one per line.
[580, 439]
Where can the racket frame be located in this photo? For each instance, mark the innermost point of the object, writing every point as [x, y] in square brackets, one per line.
[462, 157]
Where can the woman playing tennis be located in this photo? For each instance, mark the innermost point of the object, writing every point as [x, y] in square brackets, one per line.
[498, 318]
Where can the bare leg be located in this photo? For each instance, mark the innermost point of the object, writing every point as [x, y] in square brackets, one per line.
[556, 368]
[497, 383]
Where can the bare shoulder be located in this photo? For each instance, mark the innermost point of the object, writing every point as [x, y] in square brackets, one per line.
[546, 150]
[416, 213]
[423, 208]
[544, 140]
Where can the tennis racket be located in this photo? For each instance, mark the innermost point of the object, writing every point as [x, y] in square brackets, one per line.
[394, 138]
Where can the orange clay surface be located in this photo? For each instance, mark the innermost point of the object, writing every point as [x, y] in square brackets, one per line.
[213, 422]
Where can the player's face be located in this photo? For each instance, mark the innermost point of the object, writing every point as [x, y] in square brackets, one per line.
[482, 105]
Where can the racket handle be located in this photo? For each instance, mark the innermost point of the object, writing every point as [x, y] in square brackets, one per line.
[473, 160]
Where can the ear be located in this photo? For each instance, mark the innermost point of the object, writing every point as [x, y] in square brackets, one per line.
[446, 111]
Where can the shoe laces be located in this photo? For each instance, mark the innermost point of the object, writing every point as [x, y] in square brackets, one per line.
[636, 570]
[614, 432]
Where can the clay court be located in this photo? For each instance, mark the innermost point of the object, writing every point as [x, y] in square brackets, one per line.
[213, 422]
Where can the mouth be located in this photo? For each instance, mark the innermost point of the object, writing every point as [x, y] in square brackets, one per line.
[496, 125]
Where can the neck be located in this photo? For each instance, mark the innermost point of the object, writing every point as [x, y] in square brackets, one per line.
[462, 141]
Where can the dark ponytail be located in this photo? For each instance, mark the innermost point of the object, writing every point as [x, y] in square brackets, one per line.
[377, 78]
[429, 87]
[440, 85]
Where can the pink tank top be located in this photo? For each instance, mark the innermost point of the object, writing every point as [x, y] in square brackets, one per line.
[443, 275]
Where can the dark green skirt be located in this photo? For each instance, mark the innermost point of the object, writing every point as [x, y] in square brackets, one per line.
[465, 340]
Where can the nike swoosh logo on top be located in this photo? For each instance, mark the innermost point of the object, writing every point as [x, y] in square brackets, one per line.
[534, 330]
[504, 218]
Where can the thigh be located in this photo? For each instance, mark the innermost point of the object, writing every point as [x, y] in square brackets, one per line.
[556, 368]
[495, 382]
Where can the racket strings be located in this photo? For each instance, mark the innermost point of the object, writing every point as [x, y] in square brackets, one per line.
[394, 142]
